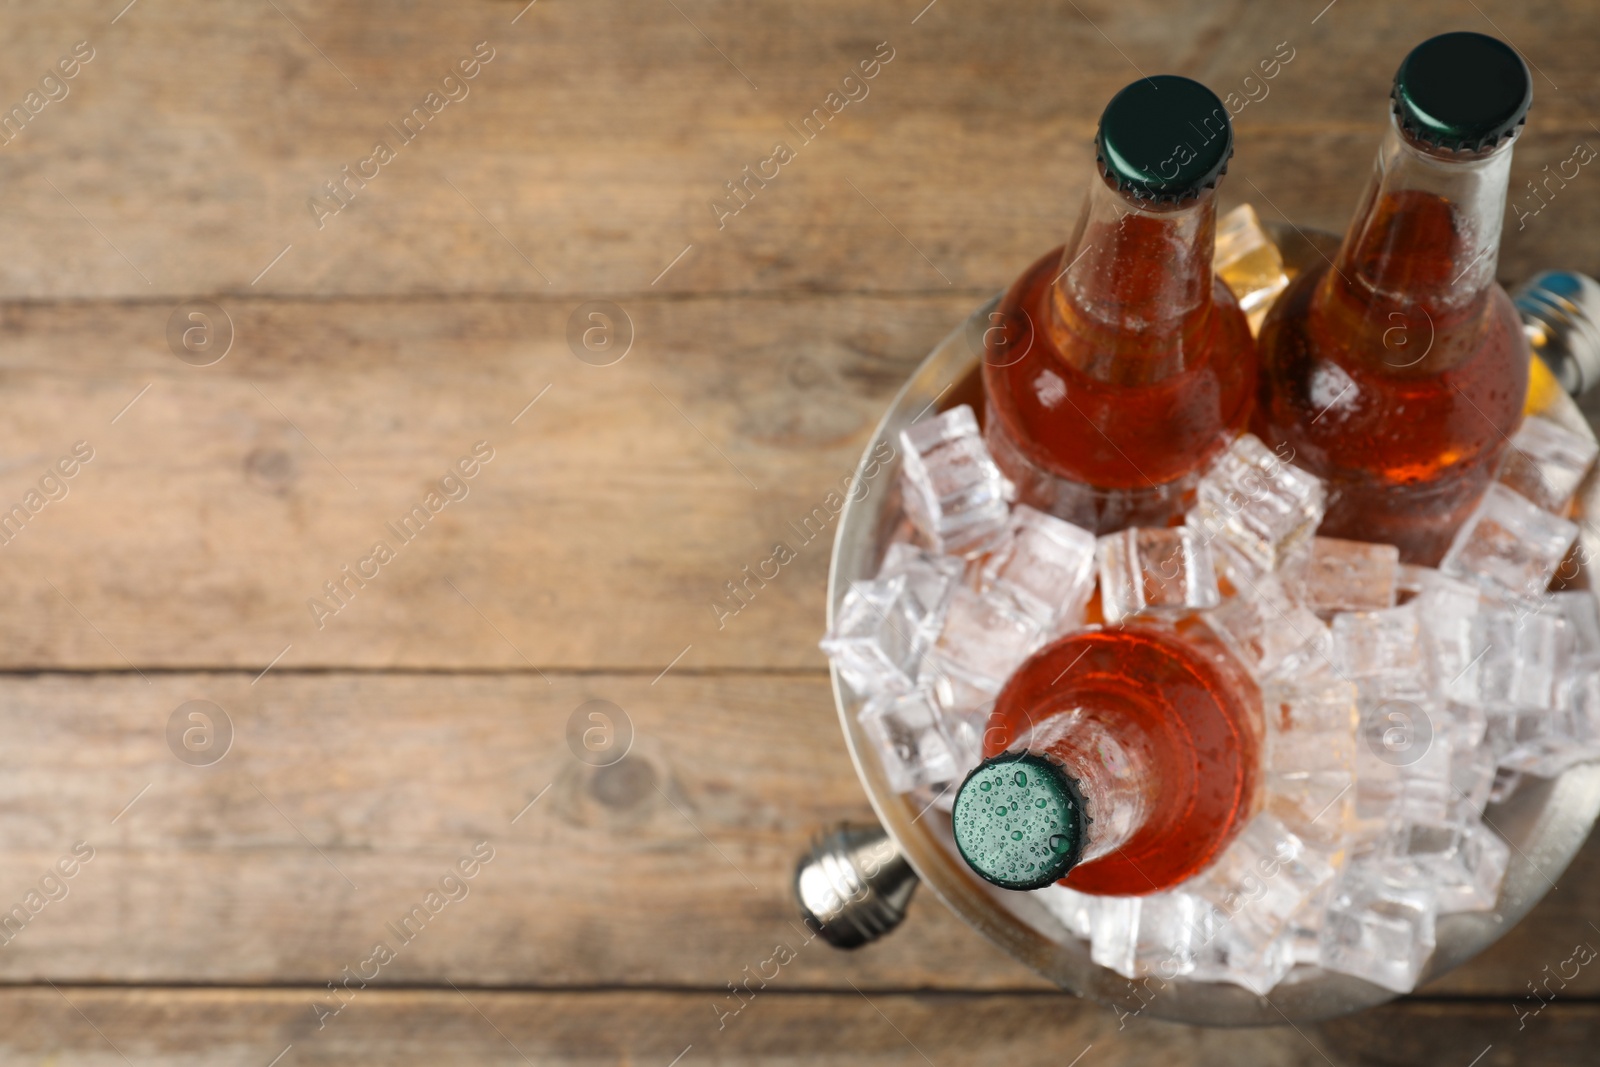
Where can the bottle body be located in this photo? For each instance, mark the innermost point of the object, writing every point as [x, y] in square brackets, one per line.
[1117, 366]
[1397, 373]
[1160, 731]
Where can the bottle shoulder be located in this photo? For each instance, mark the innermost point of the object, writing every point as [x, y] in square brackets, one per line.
[1106, 671]
[1114, 410]
[1354, 363]
[1036, 327]
[1383, 398]
[1322, 318]
[1187, 720]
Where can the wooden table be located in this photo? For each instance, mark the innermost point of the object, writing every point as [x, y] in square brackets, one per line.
[375, 746]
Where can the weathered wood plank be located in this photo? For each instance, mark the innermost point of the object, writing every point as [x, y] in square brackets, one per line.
[587, 152]
[226, 1027]
[345, 798]
[1487, 1033]
[614, 512]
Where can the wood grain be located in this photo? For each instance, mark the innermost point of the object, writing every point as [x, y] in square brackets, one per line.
[346, 797]
[430, 712]
[247, 1028]
[602, 534]
[587, 152]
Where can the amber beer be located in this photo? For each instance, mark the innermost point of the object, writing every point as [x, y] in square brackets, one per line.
[1119, 364]
[1397, 373]
[1119, 762]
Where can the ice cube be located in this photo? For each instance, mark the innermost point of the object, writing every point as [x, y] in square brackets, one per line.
[1472, 880]
[1310, 758]
[1348, 576]
[1545, 743]
[1472, 770]
[1318, 807]
[1155, 570]
[953, 490]
[1409, 580]
[1046, 567]
[1247, 260]
[955, 693]
[1270, 635]
[1508, 731]
[1227, 957]
[1261, 879]
[1516, 659]
[1508, 544]
[1380, 645]
[1403, 763]
[1311, 727]
[1115, 938]
[1238, 576]
[1077, 911]
[878, 637]
[930, 578]
[1464, 723]
[1580, 641]
[1577, 716]
[1546, 463]
[985, 637]
[1426, 792]
[1261, 505]
[1465, 864]
[917, 744]
[1445, 610]
[1304, 932]
[1379, 925]
[1151, 935]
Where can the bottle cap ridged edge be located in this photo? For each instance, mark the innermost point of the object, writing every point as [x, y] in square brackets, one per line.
[1141, 190]
[1402, 108]
[1065, 790]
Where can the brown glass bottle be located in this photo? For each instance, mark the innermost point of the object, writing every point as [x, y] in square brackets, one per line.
[1139, 755]
[1397, 373]
[1119, 364]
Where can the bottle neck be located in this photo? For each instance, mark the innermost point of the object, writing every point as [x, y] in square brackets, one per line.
[1420, 256]
[1111, 769]
[1135, 286]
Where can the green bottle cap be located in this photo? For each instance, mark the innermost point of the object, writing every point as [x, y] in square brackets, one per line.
[1164, 138]
[1019, 821]
[1462, 91]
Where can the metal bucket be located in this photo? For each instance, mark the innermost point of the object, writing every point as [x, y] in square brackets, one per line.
[855, 883]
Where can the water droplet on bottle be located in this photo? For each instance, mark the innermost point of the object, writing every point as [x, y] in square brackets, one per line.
[1059, 844]
[1016, 835]
[1041, 802]
[1022, 778]
[983, 786]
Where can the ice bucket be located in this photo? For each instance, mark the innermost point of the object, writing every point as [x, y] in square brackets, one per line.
[856, 881]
